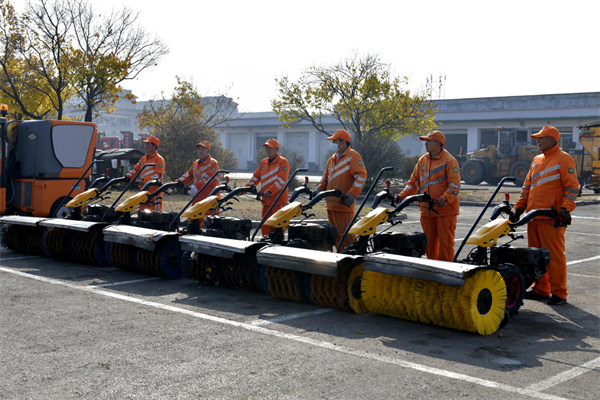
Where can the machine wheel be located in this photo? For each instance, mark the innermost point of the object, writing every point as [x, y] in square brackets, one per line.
[493, 180]
[472, 172]
[519, 170]
[63, 212]
[515, 287]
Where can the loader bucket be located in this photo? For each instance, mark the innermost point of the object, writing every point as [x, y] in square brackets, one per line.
[22, 234]
[458, 296]
[221, 261]
[150, 251]
[309, 276]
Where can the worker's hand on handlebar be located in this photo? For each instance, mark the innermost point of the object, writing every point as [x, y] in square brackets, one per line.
[516, 214]
[440, 202]
[179, 183]
[266, 195]
[565, 217]
[193, 190]
[348, 199]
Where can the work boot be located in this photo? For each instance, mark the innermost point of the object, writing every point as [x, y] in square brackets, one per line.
[557, 301]
[532, 295]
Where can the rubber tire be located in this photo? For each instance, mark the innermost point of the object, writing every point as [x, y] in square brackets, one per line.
[519, 170]
[493, 180]
[515, 287]
[472, 172]
[55, 206]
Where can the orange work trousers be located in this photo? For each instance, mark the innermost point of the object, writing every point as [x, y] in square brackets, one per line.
[440, 236]
[341, 220]
[542, 234]
[264, 228]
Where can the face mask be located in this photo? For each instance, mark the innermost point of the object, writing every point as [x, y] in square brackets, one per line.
[333, 146]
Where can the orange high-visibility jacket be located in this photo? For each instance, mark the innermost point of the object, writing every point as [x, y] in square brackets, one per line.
[150, 173]
[551, 181]
[199, 174]
[347, 173]
[439, 177]
[272, 178]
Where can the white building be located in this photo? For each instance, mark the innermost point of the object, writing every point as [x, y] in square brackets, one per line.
[468, 124]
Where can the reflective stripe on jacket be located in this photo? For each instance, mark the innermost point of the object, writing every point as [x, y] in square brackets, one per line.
[551, 181]
[272, 178]
[150, 173]
[199, 175]
[346, 173]
[439, 177]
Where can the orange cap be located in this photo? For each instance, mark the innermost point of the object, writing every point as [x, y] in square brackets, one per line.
[340, 134]
[272, 143]
[203, 143]
[153, 139]
[435, 135]
[547, 131]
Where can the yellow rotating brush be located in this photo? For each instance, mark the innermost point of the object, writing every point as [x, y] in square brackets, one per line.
[478, 306]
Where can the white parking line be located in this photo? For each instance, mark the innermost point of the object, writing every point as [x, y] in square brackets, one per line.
[565, 376]
[584, 276]
[578, 217]
[127, 282]
[289, 317]
[584, 260]
[300, 339]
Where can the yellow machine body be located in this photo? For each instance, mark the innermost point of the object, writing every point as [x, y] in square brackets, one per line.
[82, 198]
[369, 223]
[282, 217]
[488, 235]
[132, 202]
[199, 210]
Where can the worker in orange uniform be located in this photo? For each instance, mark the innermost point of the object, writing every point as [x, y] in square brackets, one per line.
[550, 182]
[272, 174]
[438, 174]
[200, 173]
[345, 171]
[151, 173]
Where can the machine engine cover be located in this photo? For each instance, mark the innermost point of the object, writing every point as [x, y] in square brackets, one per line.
[313, 233]
[532, 261]
[230, 226]
[406, 244]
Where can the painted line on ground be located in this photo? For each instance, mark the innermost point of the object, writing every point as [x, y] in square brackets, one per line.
[583, 276]
[127, 282]
[290, 317]
[578, 217]
[584, 260]
[567, 375]
[300, 339]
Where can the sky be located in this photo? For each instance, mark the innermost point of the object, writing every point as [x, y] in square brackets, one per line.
[482, 48]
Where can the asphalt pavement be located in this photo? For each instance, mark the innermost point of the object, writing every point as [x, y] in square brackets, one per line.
[76, 331]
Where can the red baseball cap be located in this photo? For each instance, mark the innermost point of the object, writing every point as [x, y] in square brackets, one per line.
[272, 143]
[153, 139]
[203, 143]
[435, 135]
[547, 131]
[340, 134]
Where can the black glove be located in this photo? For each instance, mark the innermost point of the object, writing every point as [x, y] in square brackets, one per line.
[565, 217]
[348, 199]
[516, 215]
[127, 179]
[180, 183]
